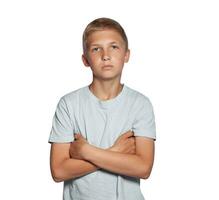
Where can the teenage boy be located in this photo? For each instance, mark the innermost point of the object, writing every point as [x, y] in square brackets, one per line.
[114, 145]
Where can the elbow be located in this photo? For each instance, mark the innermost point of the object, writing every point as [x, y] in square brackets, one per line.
[57, 179]
[145, 173]
[57, 175]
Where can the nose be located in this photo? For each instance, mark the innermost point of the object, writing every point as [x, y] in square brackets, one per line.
[105, 56]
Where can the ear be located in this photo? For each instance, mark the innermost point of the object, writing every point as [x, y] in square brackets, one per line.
[127, 55]
[85, 61]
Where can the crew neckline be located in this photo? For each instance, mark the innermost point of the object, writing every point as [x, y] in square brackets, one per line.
[105, 104]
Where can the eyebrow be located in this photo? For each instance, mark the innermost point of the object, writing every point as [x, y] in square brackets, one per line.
[100, 44]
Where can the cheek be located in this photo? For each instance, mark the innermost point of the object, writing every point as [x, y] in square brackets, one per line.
[94, 59]
[119, 55]
[119, 58]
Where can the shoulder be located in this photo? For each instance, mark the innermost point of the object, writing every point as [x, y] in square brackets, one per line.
[73, 94]
[138, 97]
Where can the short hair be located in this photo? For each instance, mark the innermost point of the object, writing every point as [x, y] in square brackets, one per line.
[103, 23]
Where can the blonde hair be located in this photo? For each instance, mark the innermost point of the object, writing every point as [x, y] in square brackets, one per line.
[102, 24]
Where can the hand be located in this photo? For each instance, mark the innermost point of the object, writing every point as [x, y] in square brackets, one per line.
[77, 147]
[125, 143]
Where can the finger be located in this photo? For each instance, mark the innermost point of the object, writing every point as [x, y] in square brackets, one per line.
[132, 140]
[128, 134]
[76, 136]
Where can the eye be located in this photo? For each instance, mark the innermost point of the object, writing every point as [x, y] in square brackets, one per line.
[115, 47]
[95, 49]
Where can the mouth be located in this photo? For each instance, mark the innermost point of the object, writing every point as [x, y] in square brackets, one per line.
[107, 66]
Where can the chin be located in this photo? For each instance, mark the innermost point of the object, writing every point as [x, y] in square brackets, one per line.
[109, 77]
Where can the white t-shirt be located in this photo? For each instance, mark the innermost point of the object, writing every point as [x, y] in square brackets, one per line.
[101, 122]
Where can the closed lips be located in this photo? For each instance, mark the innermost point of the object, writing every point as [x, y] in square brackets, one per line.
[107, 66]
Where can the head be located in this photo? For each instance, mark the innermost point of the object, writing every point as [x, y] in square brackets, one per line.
[101, 24]
[105, 43]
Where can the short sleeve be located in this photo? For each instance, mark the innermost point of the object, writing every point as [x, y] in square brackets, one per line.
[144, 123]
[62, 128]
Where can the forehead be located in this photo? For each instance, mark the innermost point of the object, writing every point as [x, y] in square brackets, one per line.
[104, 37]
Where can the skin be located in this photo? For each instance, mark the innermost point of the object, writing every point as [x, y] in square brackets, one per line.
[124, 144]
[78, 158]
[64, 166]
[106, 48]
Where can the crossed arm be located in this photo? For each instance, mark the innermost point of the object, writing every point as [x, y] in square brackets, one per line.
[139, 165]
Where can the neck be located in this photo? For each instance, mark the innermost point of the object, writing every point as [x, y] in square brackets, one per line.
[105, 90]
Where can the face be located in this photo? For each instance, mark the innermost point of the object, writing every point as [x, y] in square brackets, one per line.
[106, 54]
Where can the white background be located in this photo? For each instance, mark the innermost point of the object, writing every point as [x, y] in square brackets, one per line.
[174, 61]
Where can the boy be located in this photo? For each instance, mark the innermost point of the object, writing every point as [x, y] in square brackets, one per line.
[114, 145]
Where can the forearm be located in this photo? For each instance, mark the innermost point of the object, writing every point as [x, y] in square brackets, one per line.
[73, 168]
[126, 164]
